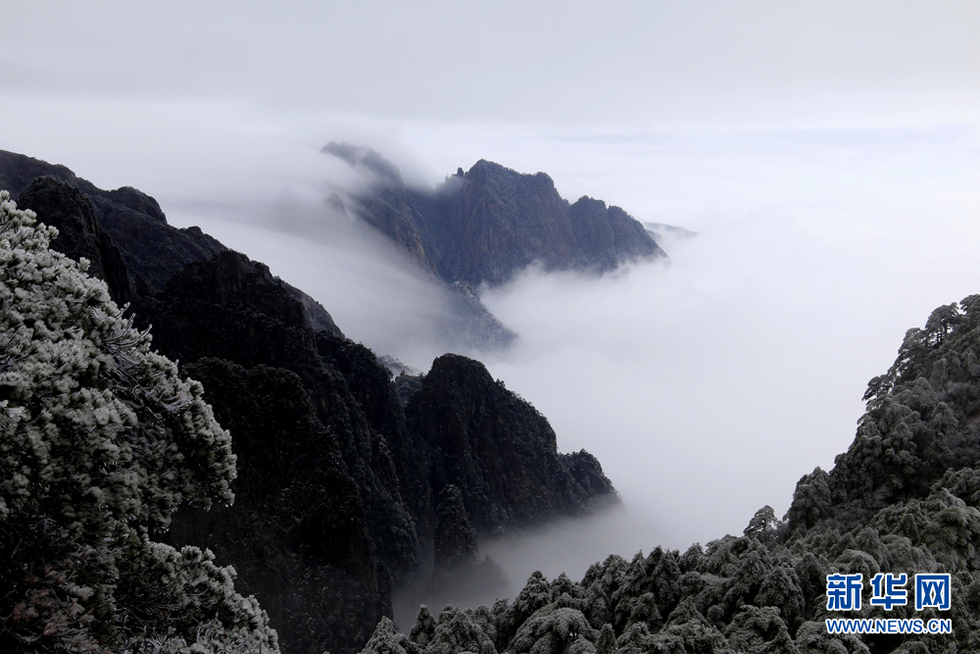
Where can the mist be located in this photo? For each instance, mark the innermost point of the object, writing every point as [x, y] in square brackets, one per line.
[706, 385]
[374, 294]
[709, 384]
[566, 546]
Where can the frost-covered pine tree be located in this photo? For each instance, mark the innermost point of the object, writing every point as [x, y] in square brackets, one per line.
[100, 442]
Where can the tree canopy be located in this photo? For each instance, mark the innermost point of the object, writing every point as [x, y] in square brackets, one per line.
[101, 440]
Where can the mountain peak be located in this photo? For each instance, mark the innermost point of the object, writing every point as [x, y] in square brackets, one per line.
[495, 170]
[498, 221]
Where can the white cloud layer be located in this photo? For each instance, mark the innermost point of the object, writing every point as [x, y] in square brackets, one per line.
[546, 62]
[706, 387]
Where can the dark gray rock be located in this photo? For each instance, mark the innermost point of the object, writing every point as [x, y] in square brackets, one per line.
[62, 205]
[127, 223]
[487, 224]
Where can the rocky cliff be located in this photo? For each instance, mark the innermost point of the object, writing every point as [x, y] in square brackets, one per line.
[80, 234]
[481, 438]
[152, 249]
[338, 488]
[490, 222]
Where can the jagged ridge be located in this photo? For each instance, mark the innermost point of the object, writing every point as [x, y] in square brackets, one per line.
[487, 224]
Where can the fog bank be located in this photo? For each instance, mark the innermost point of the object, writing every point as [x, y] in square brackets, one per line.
[373, 292]
[563, 546]
[707, 386]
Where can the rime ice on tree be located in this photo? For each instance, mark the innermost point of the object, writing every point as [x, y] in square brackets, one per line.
[101, 441]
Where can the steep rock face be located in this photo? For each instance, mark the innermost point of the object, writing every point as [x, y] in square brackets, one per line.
[288, 388]
[250, 318]
[404, 217]
[607, 236]
[152, 249]
[498, 449]
[491, 222]
[455, 539]
[228, 309]
[319, 487]
[79, 233]
[297, 533]
[415, 222]
[487, 224]
[502, 222]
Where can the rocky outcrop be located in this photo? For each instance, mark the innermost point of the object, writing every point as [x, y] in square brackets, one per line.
[152, 249]
[487, 224]
[607, 236]
[498, 449]
[18, 170]
[63, 206]
[455, 539]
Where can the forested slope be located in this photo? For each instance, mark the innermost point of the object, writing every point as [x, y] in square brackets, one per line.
[337, 489]
[903, 499]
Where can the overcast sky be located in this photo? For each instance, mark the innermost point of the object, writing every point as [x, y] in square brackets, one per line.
[828, 153]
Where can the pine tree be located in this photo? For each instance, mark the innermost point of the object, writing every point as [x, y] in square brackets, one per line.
[101, 441]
